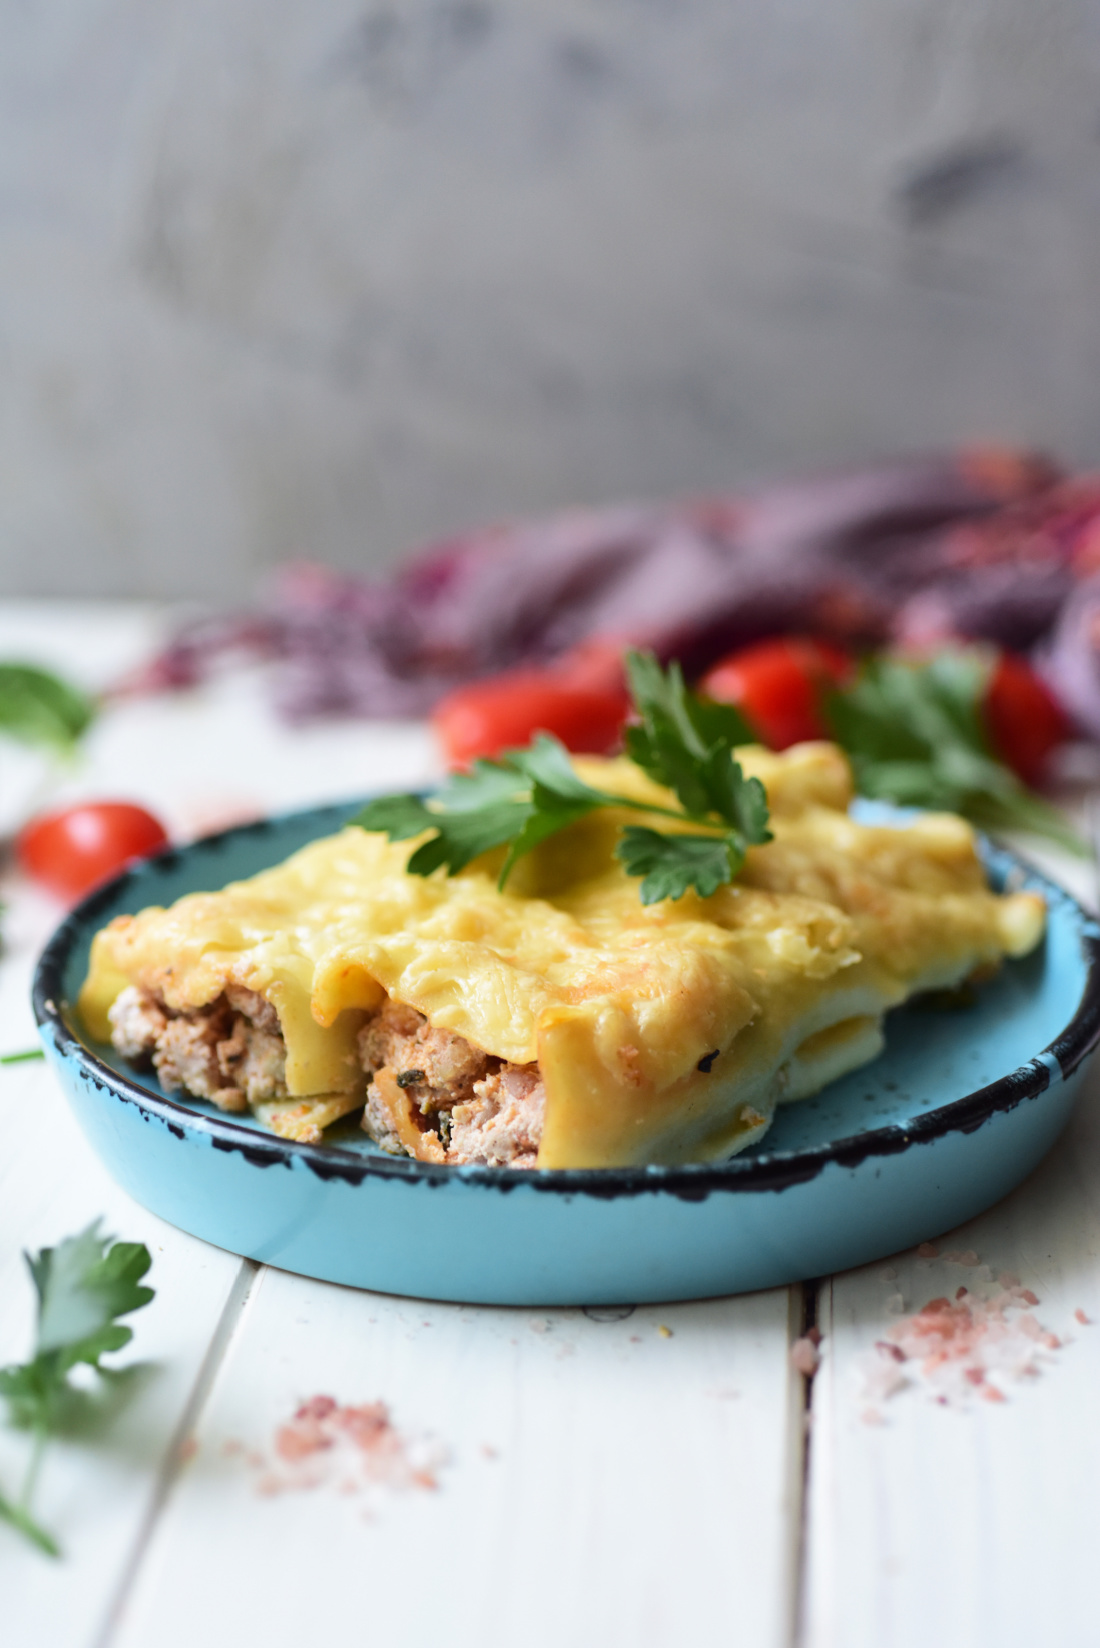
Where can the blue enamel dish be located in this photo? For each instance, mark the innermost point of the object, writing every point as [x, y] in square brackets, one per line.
[959, 1109]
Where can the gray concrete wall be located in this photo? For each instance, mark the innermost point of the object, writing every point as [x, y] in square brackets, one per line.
[328, 277]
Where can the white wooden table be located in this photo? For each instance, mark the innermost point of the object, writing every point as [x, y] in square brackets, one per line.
[653, 1478]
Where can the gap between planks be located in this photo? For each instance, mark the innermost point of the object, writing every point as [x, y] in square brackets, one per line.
[175, 1456]
[803, 1298]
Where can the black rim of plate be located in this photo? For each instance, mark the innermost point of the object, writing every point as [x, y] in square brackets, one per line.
[760, 1171]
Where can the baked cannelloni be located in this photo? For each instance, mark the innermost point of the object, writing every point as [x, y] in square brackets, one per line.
[559, 1022]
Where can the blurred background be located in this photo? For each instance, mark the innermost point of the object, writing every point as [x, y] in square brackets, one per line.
[326, 278]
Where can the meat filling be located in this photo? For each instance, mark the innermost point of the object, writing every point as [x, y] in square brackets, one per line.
[434, 1096]
[231, 1052]
[430, 1093]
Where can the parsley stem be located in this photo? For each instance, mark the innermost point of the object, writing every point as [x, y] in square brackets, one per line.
[33, 1468]
[28, 1527]
[22, 1058]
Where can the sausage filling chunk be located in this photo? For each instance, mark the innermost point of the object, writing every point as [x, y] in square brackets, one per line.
[430, 1093]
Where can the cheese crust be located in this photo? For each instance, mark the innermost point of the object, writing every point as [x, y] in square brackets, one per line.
[665, 1033]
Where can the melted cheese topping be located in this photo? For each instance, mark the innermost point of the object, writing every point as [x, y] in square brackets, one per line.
[665, 1033]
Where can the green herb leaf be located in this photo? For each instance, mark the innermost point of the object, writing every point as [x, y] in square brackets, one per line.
[684, 742]
[23, 1058]
[38, 707]
[672, 864]
[913, 731]
[84, 1285]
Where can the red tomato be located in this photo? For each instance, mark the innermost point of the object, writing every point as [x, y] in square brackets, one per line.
[1024, 720]
[779, 685]
[507, 710]
[71, 851]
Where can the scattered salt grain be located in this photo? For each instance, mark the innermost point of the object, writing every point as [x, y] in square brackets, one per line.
[928, 1250]
[895, 1304]
[804, 1357]
[539, 1324]
[1080, 1316]
[888, 1275]
[956, 1348]
[666, 1333]
[346, 1447]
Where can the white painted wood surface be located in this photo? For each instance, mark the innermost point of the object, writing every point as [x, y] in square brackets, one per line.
[977, 1526]
[630, 1481]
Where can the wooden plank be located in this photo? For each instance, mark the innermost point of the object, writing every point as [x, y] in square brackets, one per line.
[617, 1481]
[98, 1481]
[186, 757]
[973, 1527]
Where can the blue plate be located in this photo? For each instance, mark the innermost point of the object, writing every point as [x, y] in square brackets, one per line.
[961, 1106]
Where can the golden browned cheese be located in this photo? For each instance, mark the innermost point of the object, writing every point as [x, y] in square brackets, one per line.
[665, 1033]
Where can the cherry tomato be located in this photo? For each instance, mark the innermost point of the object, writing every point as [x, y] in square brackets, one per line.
[71, 851]
[779, 686]
[507, 710]
[1024, 720]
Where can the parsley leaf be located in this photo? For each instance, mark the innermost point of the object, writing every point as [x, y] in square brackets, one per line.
[525, 796]
[37, 707]
[913, 731]
[671, 864]
[683, 741]
[84, 1285]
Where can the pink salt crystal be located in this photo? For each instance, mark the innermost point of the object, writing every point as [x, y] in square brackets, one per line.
[871, 1416]
[1028, 1297]
[960, 1293]
[804, 1357]
[299, 1439]
[1028, 1324]
[975, 1376]
[367, 1425]
[968, 1258]
[928, 1250]
[990, 1393]
[951, 1256]
[1082, 1318]
[317, 1407]
[1007, 1279]
[1051, 1341]
[890, 1350]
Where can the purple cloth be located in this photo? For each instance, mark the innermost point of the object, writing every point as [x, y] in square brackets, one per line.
[895, 549]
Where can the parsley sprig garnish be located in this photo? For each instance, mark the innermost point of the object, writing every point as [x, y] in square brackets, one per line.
[84, 1285]
[38, 707]
[684, 742]
[914, 734]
